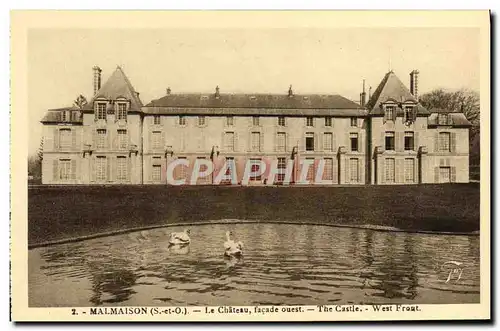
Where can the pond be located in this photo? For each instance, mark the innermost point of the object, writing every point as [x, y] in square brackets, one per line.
[282, 264]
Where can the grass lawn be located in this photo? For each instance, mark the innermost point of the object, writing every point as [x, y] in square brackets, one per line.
[56, 213]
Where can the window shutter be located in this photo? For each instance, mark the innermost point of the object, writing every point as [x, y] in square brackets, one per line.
[334, 149]
[382, 140]
[149, 163]
[360, 142]
[73, 169]
[261, 141]
[381, 169]
[415, 141]
[236, 142]
[73, 139]
[394, 114]
[109, 164]
[109, 141]
[129, 169]
[95, 112]
[163, 174]
[453, 174]
[436, 142]
[150, 144]
[55, 174]
[275, 142]
[414, 113]
[222, 143]
[56, 139]
[316, 142]
[249, 144]
[453, 142]
[162, 144]
[94, 138]
[400, 170]
[436, 174]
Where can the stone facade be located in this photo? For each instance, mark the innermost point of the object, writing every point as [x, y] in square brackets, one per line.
[391, 139]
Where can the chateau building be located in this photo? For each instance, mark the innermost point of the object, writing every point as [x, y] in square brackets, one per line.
[390, 139]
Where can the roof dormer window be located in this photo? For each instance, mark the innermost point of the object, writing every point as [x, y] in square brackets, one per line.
[409, 112]
[390, 112]
[442, 119]
[100, 112]
[122, 111]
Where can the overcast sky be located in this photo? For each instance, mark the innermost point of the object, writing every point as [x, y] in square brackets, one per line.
[333, 61]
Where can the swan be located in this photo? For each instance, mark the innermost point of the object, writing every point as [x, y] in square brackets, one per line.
[231, 247]
[180, 238]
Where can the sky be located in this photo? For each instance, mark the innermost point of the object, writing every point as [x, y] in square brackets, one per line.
[312, 60]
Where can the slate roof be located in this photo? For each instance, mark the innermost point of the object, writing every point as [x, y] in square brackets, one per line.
[254, 104]
[391, 88]
[117, 85]
[55, 116]
[455, 119]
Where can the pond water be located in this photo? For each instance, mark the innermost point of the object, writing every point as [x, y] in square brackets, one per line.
[282, 264]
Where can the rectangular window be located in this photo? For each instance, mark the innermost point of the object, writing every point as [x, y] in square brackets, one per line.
[328, 141]
[201, 120]
[121, 168]
[444, 174]
[444, 141]
[255, 121]
[65, 140]
[182, 120]
[354, 170]
[309, 141]
[64, 169]
[156, 120]
[409, 141]
[389, 112]
[408, 112]
[390, 168]
[156, 140]
[100, 168]
[328, 169]
[281, 169]
[122, 139]
[229, 120]
[229, 169]
[101, 138]
[389, 141]
[255, 141]
[328, 121]
[281, 142]
[181, 170]
[409, 170]
[156, 172]
[254, 168]
[310, 121]
[354, 122]
[122, 111]
[229, 141]
[281, 121]
[310, 171]
[442, 119]
[354, 142]
[101, 111]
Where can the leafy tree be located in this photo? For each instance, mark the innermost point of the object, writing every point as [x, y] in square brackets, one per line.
[80, 102]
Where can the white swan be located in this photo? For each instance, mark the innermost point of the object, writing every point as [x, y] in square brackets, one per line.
[231, 247]
[180, 238]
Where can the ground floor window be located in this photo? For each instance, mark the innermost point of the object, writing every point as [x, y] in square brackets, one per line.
[181, 170]
[255, 168]
[310, 170]
[203, 168]
[390, 174]
[444, 174]
[101, 168]
[281, 169]
[328, 169]
[156, 172]
[121, 168]
[354, 170]
[409, 170]
[64, 169]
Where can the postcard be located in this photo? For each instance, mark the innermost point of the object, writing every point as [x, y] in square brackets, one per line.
[250, 166]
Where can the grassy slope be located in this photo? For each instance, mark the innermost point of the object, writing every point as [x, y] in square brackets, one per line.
[63, 212]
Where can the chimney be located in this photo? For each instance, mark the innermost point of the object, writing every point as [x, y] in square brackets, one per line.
[217, 94]
[414, 83]
[168, 90]
[363, 95]
[290, 92]
[97, 79]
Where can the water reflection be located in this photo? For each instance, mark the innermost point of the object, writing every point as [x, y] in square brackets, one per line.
[282, 264]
